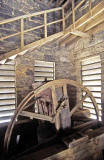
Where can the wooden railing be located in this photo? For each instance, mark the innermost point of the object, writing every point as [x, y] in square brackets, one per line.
[65, 17]
[23, 18]
[75, 7]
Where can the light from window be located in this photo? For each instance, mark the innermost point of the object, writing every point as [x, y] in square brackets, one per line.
[7, 91]
[44, 71]
[91, 78]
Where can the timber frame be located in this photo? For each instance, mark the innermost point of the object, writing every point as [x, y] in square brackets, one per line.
[95, 16]
[52, 85]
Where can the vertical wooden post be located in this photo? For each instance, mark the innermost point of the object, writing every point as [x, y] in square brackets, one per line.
[55, 104]
[22, 33]
[45, 24]
[73, 14]
[90, 6]
[65, 116]
[63, 17]
[66, 94]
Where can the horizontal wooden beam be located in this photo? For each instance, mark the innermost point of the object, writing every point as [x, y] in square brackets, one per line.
[79, 33]
[32, 115]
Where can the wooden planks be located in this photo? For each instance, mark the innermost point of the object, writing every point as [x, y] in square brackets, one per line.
[87, 147]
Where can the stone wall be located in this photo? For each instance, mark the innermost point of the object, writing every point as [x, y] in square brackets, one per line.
[64, 66]
[10, 8]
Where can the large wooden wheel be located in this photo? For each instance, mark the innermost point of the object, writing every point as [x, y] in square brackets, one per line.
[51, 113]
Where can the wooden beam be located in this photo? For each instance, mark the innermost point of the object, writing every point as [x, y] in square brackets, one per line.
[32, 115]
[55, 104]
[90, 6]
[87, 124]
[22, 33]
[63, 16]
[73, 14]
[12, 35]
[78, 105]
[79, 4]
[34, 28]
[54, 22]
[31, 45]
[79, 33]
[67, 15]
[45, 24]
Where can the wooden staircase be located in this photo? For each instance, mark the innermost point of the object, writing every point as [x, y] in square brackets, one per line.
[35, 29]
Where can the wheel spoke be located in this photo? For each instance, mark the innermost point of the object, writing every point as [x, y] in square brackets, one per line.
[78, 105]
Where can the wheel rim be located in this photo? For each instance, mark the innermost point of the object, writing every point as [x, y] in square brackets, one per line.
[51, 85]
